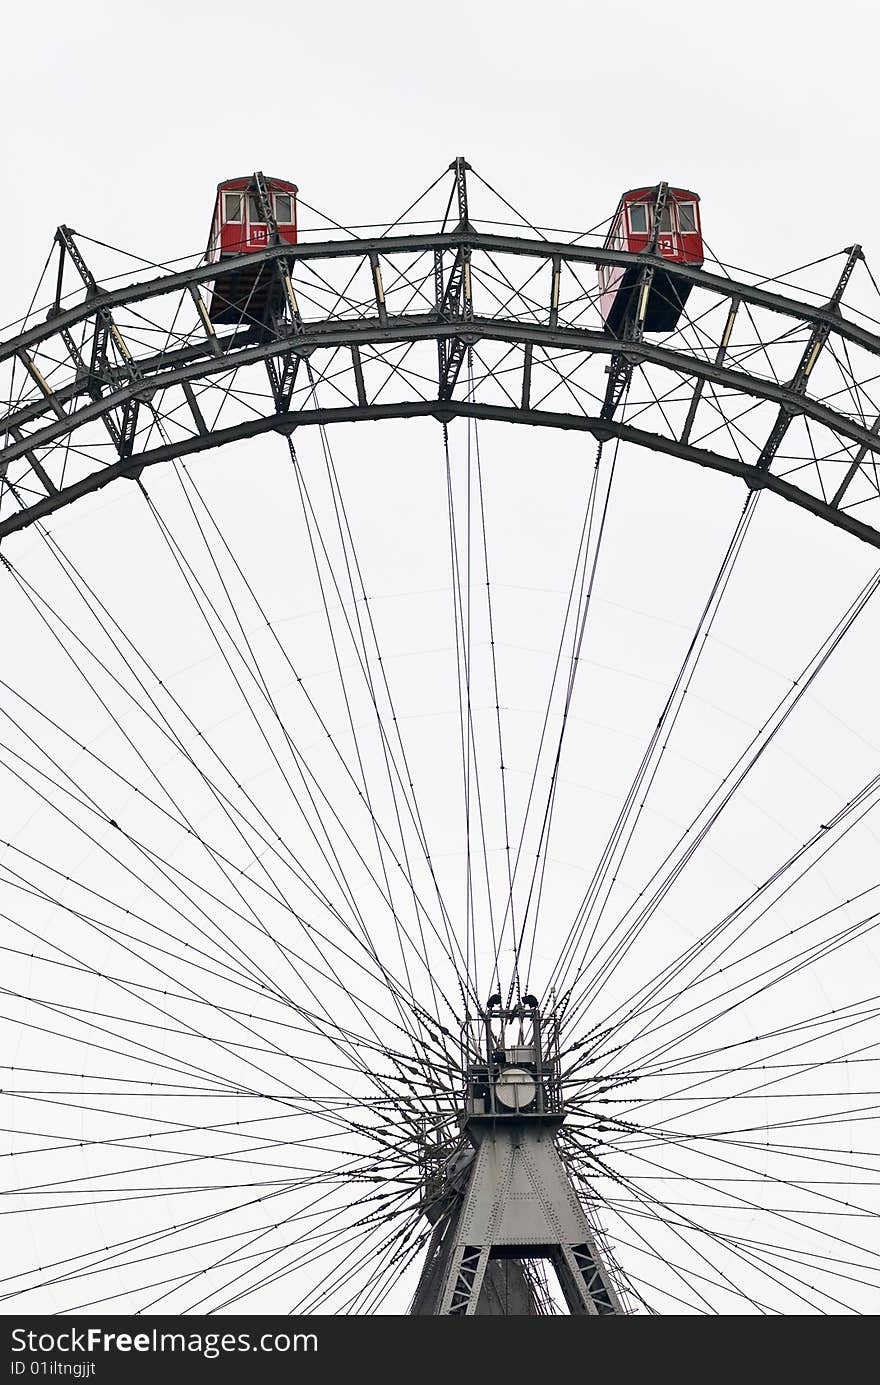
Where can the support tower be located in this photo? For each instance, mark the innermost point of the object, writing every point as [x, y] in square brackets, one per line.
[504, 1197]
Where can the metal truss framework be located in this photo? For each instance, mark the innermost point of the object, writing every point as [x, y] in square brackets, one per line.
[778, 390]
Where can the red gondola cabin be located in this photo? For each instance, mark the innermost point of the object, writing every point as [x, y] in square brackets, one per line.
[679, 240]
[240, 228]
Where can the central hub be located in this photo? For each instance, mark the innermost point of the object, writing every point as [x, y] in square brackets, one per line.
[511, 1063]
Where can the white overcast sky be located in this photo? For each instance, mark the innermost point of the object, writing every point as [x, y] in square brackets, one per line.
[120, 119]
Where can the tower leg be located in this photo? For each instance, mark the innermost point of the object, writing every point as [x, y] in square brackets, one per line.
[505, 1291]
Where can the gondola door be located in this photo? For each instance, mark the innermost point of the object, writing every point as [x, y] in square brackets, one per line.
[258, 231]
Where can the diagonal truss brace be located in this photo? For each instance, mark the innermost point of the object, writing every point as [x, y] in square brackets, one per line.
[263, 199]
[98, 373]
[453, 295]
[817, 339]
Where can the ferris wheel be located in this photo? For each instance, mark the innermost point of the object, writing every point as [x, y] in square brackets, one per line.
[403, 910]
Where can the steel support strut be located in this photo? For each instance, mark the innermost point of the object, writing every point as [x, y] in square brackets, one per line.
[455, 298]
[817, 339]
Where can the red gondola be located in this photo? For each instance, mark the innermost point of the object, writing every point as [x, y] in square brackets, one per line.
[679, 240]
[239, 228]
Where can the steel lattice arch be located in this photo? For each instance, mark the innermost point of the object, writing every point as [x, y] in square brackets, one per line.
[755, 382]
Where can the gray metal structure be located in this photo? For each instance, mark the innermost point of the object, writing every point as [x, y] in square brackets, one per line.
[518, 1204]
[504, 1199]
[766, 386]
